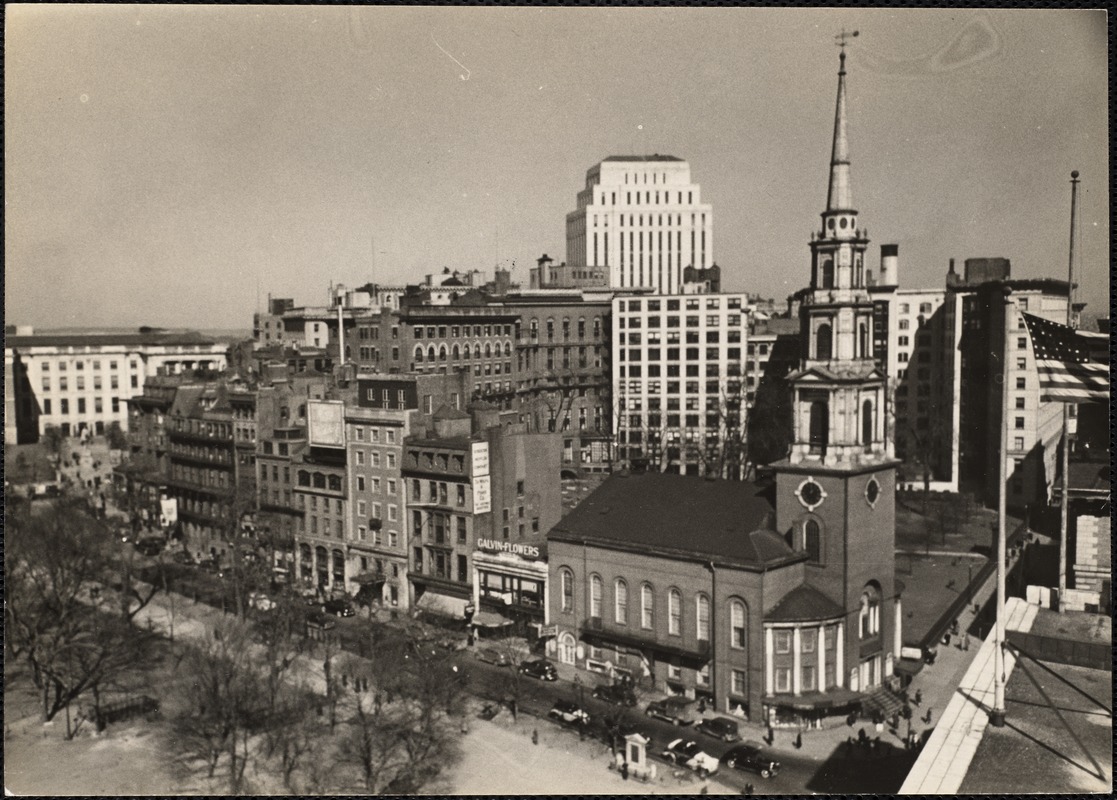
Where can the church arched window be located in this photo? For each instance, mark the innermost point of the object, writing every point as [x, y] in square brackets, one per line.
[867, 422]
[823, 341]
[820, 427]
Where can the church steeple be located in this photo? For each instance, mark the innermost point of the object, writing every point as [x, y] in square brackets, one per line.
[840, 195]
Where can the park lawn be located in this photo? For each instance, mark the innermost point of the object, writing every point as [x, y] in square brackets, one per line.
[931, 584]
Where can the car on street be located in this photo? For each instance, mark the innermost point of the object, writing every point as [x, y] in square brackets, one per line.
[182, 557]
[492, 656]
[566, 711]
[540, 668]
[751, 757]
[338, 608]
[212, 565]
[720, 728]
[260, 601]
[617, 694]
[676, 710]
[151, 546]
[688, 753]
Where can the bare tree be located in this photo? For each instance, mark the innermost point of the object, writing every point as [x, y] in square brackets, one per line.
[223, 699]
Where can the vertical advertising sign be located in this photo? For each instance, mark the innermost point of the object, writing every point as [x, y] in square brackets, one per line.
[482, 495]
[480, 464]
[326, 423]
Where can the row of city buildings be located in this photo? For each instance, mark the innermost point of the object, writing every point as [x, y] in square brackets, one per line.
[404, 445]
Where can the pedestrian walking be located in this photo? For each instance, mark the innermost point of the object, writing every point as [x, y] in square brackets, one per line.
[748, 789]
[705, 787]
[771, 737]
[535, 737]
[624, 770]
[918, 696]
[927, 718]
[799, 740]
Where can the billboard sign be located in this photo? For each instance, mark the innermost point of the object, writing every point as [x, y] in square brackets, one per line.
[482, 494]
[325, 423]
[480, 461]
[168, 508]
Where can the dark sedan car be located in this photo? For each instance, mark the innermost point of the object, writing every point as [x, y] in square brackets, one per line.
[540, 668]
[750, 757]
[617, 694]
[339, 608]
[568, 712]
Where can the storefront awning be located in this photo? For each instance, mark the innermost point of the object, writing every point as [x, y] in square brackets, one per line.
[815, 701]
[490, 619]
[443, 604]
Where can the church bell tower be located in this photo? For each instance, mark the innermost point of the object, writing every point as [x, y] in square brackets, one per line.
[836, 489]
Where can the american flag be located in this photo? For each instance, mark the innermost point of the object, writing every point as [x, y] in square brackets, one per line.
[1073, 365]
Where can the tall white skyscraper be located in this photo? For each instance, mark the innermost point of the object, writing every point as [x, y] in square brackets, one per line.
[643, 219]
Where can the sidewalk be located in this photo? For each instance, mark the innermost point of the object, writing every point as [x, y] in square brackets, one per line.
[946, 756]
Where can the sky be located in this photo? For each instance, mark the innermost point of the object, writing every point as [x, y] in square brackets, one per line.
[173, 165]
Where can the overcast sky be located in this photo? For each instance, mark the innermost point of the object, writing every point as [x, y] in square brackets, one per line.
[170, 165]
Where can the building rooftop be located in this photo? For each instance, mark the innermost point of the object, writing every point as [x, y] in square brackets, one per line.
[804, 603]
[680, 514]
[653, 157]
[109, 339]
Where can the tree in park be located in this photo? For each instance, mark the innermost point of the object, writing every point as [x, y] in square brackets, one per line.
[223, 699]
[117, 439]
[52, 561]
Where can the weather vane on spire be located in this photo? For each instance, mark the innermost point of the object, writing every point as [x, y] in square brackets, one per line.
[842, 38]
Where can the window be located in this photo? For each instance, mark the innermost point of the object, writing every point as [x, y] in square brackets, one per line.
[783, 679]
[674, 612]
[567, 579]
[869, 615]
[783, 641]
[1018, 443]
[807, 678]
[595, 596]
[1021, 383]
[1020, 403]
[1022, 343]
[646, 606]
[702, 676]
[737, 632]
[812, 541]
[738, 682]
[620, 602]
[808, 640]
[1018, 423]
[702, 608]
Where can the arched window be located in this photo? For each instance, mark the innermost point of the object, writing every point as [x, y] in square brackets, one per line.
[812, 540]
[820, 427]
[455, 353]
[869, 614]
[430, 353]
[507, 349]
[674, 612]
[339, 563]
[828, 273]
[595, 596]
[738, 636]
[477, 351]
[647, 606]
[867, 422]
[702, 614]
[863, 340]
[442, 352]
[567, 583]
[419, 353]
[567, 648]
[305, 554]
[823, 342]
[620, 602]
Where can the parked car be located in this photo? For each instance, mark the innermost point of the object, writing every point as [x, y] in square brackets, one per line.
[260, 601]
[750, 757]
[618, 694]
[182, 557]
[151, 546]
[453, 643]
[492, 656]
[212, 565]
[338, 607]
[317, 621]
[566, 711]
[687, 753]
[720, 728]
[540, 668]
[676, 710]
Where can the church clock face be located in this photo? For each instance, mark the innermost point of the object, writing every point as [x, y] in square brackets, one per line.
[810, 494]
[872, 492]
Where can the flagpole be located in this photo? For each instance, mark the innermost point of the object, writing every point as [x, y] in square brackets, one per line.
[997, 716]
[1063, 481]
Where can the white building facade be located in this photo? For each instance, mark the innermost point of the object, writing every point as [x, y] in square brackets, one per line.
[84, 380]
[677, 382]
[643, 219]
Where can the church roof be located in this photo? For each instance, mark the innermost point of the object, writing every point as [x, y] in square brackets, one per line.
[802, 604]
[680, 515]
